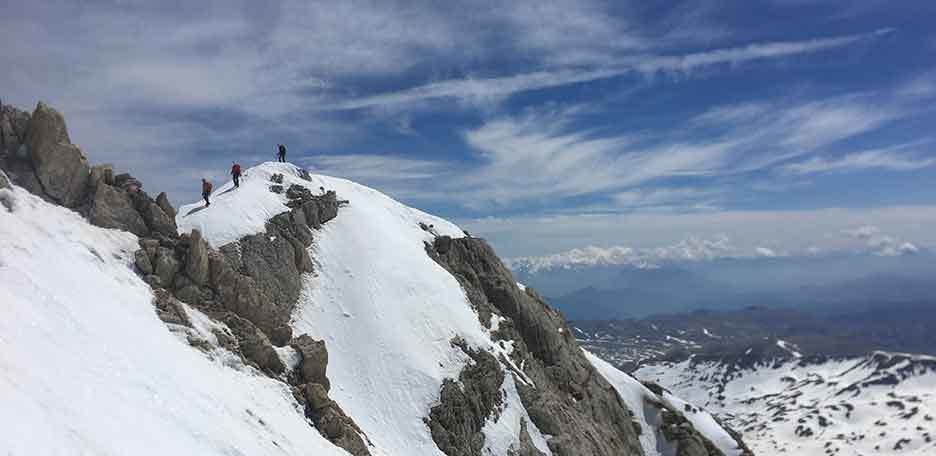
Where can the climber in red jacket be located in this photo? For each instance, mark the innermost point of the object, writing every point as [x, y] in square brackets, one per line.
[206, 191]
[236, 173]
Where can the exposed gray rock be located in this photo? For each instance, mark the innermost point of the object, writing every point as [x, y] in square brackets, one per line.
[254, 345]
[570, 401]
[169, 309]
[4, 180]
[163, 201]
[196, 264]
[6, 198]
[464, 406]
[270, 290]
[113, 208]
[157, 220]
[317, 397]
[101, 174]
[166, 265]
[526, 443]
[60, 167]
[680, 432]
[142, 261]
[314, 363]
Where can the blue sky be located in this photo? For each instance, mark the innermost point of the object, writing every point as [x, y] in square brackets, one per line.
[786, 125]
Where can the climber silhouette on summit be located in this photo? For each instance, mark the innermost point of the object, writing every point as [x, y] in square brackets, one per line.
[281, 154]
[236, 174]
[206, 191]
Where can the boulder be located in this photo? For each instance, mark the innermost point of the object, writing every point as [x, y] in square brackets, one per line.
[113, 208]
[254, 345]
[169, 309]
[158, 221]
[328, 206]
[196, 263]
[4, 180]
[166, 265]
[163, 201]
[314, 359]
[317, 396]
[9, 142]
[149, 246]
[142, 261]
[101, 174]
[6, 197]
[60, 166]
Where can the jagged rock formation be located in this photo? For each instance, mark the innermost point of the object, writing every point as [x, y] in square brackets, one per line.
[465, 405]
[250, 286]
[567, 398]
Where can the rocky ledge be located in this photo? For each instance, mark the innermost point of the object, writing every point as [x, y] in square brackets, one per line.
[249, 288]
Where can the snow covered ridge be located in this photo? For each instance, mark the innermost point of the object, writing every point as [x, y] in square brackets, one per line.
[75, 311]
[884, 403]
[298, 314]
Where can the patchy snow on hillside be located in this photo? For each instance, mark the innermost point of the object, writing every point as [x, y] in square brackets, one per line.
[634, 395]
[86, 367]
[882, 404]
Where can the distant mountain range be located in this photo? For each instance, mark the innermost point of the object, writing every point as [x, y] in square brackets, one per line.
[830, 284]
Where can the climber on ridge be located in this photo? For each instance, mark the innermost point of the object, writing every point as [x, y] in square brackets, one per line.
[281, 154]
[206, 191]
[236, 174]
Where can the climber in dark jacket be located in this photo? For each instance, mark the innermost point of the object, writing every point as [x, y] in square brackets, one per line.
[236, 173]
[281, 154]
[206, 191]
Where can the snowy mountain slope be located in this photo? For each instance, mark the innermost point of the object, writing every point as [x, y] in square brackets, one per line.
[87, 368]
[385, 310]
[883, 404]
[398, 326]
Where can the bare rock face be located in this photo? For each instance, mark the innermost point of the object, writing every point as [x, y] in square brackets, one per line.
[329, 418]
[162, 200]
[254, 345]
[314, 360]
[4, 180]
[157, 220]
[464, 406]
[167, 266]
[60, 166]
[570, 400]
[113, 208]
[196, 264]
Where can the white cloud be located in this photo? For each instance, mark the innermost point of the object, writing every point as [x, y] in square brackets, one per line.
[889, 158]
[789, 232]
[879, 243]
[494, 87]
[687, 250]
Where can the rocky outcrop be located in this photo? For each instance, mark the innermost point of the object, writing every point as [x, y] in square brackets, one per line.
[565, 397]
[464, 406]
[679, 431]
[61, 168]
[4, 180]
[46, 163]
[112, 208]
[313, 386]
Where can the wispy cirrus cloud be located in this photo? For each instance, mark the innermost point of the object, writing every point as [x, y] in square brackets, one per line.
[493, 87]
[894, 158]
